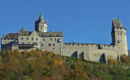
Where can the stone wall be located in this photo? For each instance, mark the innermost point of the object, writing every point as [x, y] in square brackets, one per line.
[91, 52]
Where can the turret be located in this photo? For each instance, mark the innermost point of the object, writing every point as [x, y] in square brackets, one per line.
[22, 29]
[41, 24]
[119, 38]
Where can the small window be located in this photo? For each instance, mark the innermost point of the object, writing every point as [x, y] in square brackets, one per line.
[120, 33]
[21, 38]
[35, 44]
[49, 44]
[43, 39]
[42, 44]
[32, 38]
[118, 41]
[53, 48]
[27, 38]
[51, 39]
[59, 40]
[55, 39]
[36, 38]
[53, 44]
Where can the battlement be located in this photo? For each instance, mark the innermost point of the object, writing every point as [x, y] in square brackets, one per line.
[98, 46]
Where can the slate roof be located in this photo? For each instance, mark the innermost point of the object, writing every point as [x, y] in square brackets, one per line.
[50, 34]
[24, 33]
[11, 36]
[116, 23]
[28, 33]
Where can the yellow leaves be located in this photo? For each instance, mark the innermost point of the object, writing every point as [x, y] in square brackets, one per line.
[26, 78]
[38, 65]
[112, 61]
[123, 58]
[77, 74]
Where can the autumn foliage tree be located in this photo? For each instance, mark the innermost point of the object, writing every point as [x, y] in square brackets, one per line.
[112, 61]
[123, 58]
[76, 74]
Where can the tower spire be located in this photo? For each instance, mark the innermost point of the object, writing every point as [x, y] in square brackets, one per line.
[41, 17]
[22, 29]
[41, 24]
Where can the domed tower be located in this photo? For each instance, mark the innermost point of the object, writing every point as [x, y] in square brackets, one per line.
[119, 38]
[41, 24]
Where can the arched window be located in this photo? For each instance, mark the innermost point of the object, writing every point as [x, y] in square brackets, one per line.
[102, 58]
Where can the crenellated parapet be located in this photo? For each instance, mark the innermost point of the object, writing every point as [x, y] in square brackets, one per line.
[97, 46]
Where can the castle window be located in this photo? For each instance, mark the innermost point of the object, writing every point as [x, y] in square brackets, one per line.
[42, 44]
[21, 38]
[43, 39]
[59, 40]
[120, 33]
[36, 38]
[35, 44]
[53, 48]
[32, 38]
[49, 44]
[53, 44]
[27, 38]
[118, 41]
[51, 39]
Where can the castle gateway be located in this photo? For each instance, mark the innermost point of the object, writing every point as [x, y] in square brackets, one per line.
[53, 41]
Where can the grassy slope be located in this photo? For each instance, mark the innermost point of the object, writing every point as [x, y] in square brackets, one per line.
[101, 71]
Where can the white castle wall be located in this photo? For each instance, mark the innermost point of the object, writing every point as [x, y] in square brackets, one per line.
[92, 52]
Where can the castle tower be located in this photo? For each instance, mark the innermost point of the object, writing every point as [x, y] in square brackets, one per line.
[41, 24]
[119, 38]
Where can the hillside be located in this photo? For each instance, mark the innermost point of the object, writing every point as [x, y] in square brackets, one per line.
[38, 65]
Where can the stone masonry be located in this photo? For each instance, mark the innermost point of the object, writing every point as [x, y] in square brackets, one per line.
[53, 41]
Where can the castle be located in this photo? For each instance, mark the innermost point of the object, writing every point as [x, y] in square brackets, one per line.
[53, 41]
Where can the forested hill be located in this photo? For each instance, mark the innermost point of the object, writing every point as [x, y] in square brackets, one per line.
[38, 65]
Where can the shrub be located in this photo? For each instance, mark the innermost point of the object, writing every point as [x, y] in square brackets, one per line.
[112, 61]
[123, 58]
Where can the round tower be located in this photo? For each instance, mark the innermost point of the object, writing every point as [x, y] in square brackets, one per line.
[119, 38]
